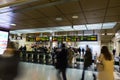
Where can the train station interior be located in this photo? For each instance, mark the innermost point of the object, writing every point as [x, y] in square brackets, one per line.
[41, 26]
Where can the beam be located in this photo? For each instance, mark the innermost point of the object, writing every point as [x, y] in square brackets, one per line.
[16, 3]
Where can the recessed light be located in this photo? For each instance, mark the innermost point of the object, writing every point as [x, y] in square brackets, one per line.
[59, 19]
[13, 24]
[74, 17]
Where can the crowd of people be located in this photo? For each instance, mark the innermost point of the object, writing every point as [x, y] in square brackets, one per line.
[106, 58]
[63, 58]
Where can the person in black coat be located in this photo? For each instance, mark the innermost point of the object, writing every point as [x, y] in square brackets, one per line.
[83, 51]
[87, 60]
[62, 61]
[9, 63]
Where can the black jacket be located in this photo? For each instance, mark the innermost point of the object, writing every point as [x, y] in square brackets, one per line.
[62, 59]
[87, 59]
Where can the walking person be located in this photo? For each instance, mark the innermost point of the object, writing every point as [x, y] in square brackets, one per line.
[9, 63]
[79, 50]
[106, 58]
[114, 52]
[62, 62]
[70, 57]
[87, 61]
[83, 51]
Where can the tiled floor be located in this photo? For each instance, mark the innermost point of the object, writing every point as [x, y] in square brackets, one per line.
[32, 71]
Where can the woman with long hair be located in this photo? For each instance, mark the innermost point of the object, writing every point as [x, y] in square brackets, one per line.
[106, 58]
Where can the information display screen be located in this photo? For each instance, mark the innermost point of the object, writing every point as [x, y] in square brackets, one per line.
[3, 41]
[71, 38]
[87, 38]
[75, 38]
[43, 39]
[58, 38]
[30, 39]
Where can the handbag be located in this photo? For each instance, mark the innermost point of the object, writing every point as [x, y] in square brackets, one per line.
[100, 66]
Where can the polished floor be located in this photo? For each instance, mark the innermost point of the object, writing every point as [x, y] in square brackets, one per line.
[32, 71]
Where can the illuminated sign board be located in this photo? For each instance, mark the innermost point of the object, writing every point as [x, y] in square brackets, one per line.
[30, 39]
[87, 38]
[71, 38]
[43, 39]
[75, 38]
[58, 38]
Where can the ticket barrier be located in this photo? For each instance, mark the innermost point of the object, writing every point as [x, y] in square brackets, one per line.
[35, 57]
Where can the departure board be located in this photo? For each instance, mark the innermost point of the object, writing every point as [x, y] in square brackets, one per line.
[30, 39]
[58, 38]
[87, 38]
[71, 38]
[42, 39]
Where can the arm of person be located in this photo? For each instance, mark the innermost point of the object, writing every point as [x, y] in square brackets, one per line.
[100, 58]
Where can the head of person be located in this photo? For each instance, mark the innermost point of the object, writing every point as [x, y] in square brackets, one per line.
[87, 48]
[63, 45]
[106, 53]
[10, 48]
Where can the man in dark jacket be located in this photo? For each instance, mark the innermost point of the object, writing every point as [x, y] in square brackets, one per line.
[62, 61]
[87, 60]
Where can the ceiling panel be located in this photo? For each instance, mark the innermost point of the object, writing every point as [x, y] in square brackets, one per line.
[33, 14]
[39, 2]
[50, 11]
[112, 19]
[96, 13]
[95, 20]
[18, 15]
[19, 7]
[79, 21]
[93, 4]
[113, 11]
[70, 8]
[114, 3]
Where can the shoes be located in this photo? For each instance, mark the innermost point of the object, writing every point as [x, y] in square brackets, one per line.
[94, 77]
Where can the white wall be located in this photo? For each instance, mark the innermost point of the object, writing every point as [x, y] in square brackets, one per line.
[95, 46]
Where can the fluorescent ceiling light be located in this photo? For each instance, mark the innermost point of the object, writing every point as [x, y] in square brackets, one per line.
[59, 19]
[79, 27]
[109, 25]
[94, 26]
[12, 24]
[68, 28]
[74, 17]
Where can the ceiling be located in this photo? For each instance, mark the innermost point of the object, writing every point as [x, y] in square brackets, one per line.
[53, 14]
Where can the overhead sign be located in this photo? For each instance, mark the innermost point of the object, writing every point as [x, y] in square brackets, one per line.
[43, 39]
[58, 38]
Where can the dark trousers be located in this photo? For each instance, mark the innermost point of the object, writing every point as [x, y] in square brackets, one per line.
[63, 71]
[83, 73]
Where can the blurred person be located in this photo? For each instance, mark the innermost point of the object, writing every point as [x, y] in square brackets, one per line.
[87, 60]
[83, 51]
[62, 61]
[70, 56]
[24, 48]
[108, 62]
[114, 52]
[9, 63]
[79, 50]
